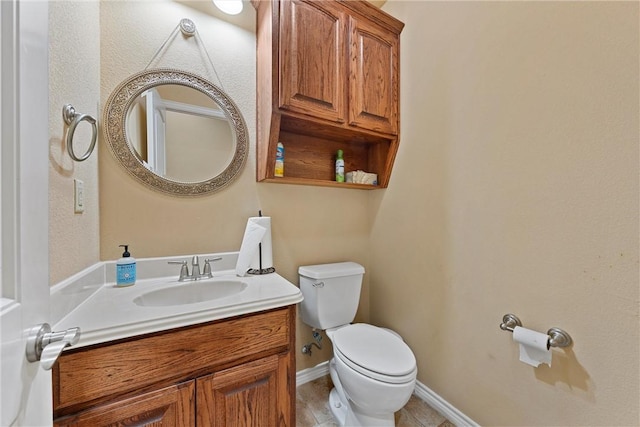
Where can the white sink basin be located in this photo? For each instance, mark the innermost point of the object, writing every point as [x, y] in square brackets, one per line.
[191, 293]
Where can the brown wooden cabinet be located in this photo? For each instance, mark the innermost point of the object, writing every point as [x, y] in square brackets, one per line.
[243, 395]
[238, 372]
[171, 406]
[373, 77]
[328, 79]
[312, 60]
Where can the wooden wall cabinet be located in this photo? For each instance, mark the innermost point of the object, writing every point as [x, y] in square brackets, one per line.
[312, 61]
[328, 79]
[239, 372]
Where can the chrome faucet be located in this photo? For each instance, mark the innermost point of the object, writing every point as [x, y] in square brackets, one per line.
[195, 269]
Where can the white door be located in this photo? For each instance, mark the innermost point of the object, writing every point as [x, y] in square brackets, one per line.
[25, 393]
[156, 118]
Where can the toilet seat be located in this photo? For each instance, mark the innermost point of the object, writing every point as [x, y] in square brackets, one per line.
[375, 352]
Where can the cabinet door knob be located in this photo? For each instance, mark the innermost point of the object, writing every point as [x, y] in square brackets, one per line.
[46, 346]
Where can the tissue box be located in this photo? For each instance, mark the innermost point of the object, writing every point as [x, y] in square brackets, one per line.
[361, 177]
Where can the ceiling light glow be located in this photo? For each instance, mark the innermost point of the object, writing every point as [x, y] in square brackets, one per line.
[230, 7]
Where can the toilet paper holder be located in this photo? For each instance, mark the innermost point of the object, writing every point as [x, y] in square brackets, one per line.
[557, 337]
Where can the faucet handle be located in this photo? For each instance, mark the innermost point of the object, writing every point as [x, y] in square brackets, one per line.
[184, 270]
[207, 266]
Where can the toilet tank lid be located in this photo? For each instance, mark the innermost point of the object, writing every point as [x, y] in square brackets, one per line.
[327, 271]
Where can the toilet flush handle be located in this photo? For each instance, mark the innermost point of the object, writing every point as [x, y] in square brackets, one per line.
[318, 285]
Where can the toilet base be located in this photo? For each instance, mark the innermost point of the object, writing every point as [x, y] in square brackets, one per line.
[347, 415]
[338, 409]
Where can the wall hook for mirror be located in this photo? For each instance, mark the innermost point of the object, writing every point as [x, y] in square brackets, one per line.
[72, 119]
[188, 27]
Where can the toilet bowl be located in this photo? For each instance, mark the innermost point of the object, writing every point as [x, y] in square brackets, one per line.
[376, 374]
[373, 370]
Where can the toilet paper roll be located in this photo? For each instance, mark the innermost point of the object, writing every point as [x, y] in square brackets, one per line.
[534, 348]
[265, 244]
[253, 234]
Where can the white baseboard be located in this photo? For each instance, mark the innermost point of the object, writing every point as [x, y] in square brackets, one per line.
[310, 374]
[445, 409]
[422, 391]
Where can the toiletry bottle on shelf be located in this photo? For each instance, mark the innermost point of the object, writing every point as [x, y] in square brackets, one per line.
[279, 170]
[339, 167]
[126, 269]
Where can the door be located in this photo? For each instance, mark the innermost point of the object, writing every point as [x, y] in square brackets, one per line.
[170, 407]
[373, 77]
[312, 59]
[25, 388]
[156, 119]
[242, 396]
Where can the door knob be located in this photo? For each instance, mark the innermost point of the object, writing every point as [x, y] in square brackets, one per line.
[45, 346]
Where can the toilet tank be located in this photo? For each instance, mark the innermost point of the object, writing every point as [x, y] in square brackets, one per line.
[331, 293]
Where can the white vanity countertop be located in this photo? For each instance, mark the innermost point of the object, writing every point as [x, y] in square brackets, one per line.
[111, 314]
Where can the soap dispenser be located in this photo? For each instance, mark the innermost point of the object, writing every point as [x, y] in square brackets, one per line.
[125, 269]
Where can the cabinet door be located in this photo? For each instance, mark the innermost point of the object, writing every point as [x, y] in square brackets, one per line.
[373, 76]
[312, 76]
[170, 407]
[242, 396]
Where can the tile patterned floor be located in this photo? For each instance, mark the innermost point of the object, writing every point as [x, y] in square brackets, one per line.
[312, 405]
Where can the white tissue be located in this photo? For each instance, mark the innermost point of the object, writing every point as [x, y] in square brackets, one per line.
[361, 177]
[266, 250]
[533, 346]
[253, 234]
[258, 231]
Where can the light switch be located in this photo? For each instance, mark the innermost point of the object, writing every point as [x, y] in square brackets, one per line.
[78, 186]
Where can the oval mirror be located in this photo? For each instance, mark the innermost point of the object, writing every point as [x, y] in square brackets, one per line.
[176, 132]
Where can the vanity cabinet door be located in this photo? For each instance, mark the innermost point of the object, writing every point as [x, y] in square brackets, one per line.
[373, 77]
[243, 396]
[169, 407]
[313, 59]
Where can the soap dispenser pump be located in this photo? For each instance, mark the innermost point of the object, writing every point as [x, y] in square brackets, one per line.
[125, 269]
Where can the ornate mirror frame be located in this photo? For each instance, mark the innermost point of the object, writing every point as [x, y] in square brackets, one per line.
[115, 116]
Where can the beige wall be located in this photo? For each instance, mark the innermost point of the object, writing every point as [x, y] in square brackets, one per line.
[517, 179]
[309, 225]
[197, 147]
[74, 39]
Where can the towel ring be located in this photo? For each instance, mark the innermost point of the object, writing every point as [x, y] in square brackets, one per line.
[72, 119]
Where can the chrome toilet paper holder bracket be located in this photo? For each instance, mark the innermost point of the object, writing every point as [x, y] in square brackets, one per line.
[557, 336]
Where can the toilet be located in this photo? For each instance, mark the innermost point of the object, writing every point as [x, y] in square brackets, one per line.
[373, 370]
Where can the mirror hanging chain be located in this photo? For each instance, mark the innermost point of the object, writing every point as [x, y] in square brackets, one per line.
[188, 28]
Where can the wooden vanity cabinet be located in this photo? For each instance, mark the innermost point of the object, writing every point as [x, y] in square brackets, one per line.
[253, 384]
[238, 371]
[171, 406]
[328, 79]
